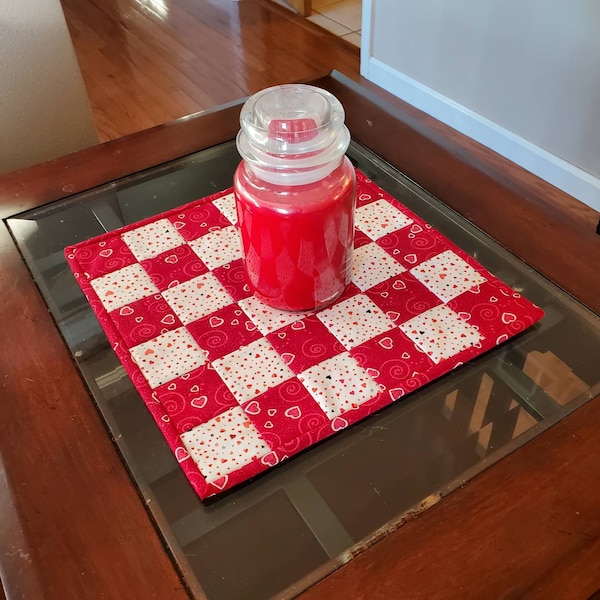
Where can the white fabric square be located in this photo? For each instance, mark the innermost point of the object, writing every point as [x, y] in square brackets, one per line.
[218, 247]
[379, 218]
[168, 356]
[122, 287]
[266, 318]
[339, 384]
[197, 297]
[447, 275]
[252, 370]
[224, 444]
[226, 206]
[441, 333]
[371, 265]
[151, 240]
[355, 320]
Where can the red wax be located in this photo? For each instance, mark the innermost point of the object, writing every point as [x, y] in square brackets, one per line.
[297, 239]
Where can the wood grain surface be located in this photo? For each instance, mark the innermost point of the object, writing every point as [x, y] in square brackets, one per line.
[143, 68]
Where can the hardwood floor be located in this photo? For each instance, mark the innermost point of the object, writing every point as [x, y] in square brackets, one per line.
[147, 62]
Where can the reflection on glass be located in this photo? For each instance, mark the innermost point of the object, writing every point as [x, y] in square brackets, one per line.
[279, 533]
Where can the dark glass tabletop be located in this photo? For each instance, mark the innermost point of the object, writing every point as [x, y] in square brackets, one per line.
[279, 533]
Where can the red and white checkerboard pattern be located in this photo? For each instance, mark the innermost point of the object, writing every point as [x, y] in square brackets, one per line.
[236, 386]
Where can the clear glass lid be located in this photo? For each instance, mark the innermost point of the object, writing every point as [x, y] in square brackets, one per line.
[292, 134]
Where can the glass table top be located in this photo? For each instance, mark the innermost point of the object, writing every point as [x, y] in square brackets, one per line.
[279, 533]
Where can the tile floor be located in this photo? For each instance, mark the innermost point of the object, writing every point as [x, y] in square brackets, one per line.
[341, 17]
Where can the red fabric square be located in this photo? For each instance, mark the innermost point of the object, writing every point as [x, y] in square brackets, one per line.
[361, 238]
[192, 399]
[365, 190]
[394, 362]
[174, 267]
[402, 297]
[144, 319]
[495, 309]
[198, 220]
[350, 291]
[414, 244]
[103, 257]
[233, 278]
[223, 331]
[285, 414]
[305, 343]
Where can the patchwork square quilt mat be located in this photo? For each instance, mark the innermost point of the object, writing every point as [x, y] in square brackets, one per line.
[237, 387]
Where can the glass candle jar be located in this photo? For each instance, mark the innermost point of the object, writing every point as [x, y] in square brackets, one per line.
[295, 194]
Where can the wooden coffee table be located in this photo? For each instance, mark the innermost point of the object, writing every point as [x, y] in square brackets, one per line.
[85, 515]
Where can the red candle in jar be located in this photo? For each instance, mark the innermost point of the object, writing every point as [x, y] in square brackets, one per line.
[295, 197]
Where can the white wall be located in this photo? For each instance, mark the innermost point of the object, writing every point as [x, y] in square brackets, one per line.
[521, 76]
[44, 109]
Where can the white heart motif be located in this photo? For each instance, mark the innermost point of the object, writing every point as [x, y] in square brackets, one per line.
[252, 408]
[221, 482]
[126, 311]
[181, 454]
[288, 358]
[508, 318]
[411, 258]
[199, 402]
[293, 412]
[194, 389]
[393, 315]
[386, 343]
[272, 412]
[338, 424]
[396, 393]
[171, 259]
[168, 320]
[270, 460]
[216, 321]
[105, 253]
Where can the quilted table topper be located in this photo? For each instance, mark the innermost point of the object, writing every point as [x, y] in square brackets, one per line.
[237, 387]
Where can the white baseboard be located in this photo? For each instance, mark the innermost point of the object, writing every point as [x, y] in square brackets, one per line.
[567, 177]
